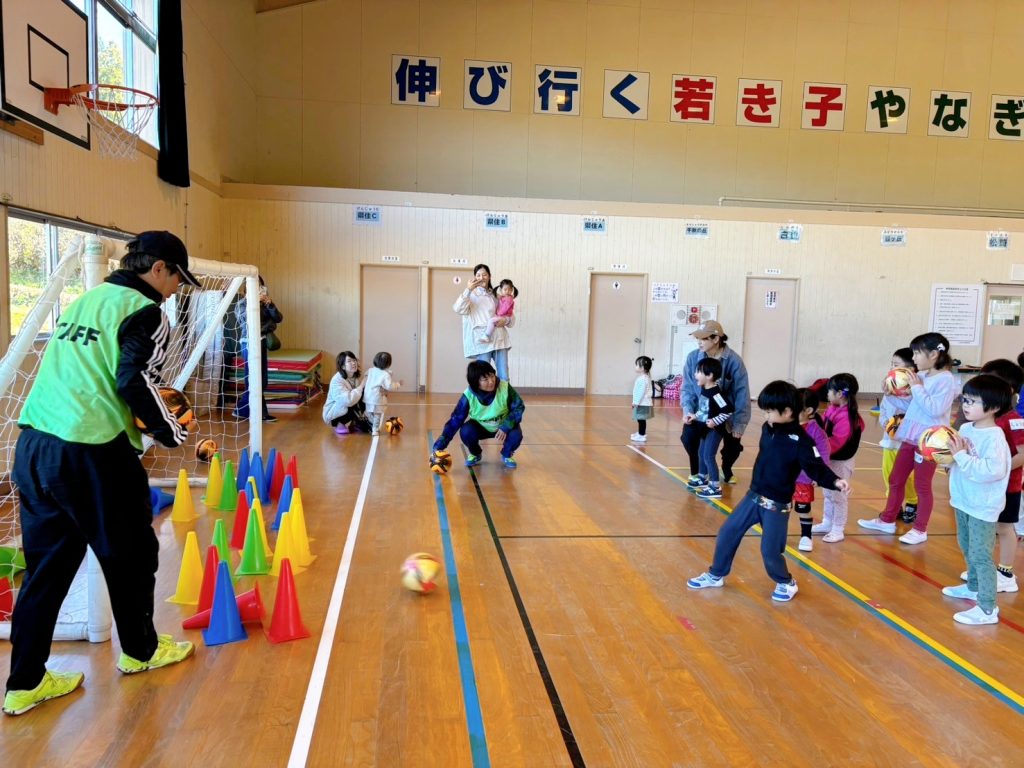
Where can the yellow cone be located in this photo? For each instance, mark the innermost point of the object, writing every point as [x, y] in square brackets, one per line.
[190, 577]
[257, 510]
[214, 484]
[183, 511]
[300, 539]
[285, 547]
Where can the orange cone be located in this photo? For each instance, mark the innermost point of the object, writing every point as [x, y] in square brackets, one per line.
[286, 623]
[250, 609]
[190, 577]
[183, 511]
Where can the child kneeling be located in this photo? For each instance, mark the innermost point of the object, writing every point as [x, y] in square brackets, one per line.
[784, 450]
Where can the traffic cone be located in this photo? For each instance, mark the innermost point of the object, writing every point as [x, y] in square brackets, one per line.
[284, 502]
[227, 491]
[183, 511]
[284, 548]
[250, 610]
[257, 473]
[293, 470]
[286, 623]
[268, 471]
[220, 541]
[243, 469]
[241, 522]
[277, 481]
[254, 557]
[250, 489]
[190, 576]
[300, 539]
[209, 579]
[225, 620]
[214, 485]
[159, 499]
[257, 509]
[6, 599]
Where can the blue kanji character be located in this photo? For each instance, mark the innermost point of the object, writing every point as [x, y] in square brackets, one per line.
[418, 79]
[498, 83]
[547, 80]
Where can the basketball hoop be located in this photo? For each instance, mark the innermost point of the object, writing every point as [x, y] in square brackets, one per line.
[116, 114]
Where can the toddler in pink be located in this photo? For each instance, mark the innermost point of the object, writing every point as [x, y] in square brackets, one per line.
[507, 294]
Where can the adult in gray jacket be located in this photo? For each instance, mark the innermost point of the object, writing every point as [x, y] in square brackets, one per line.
[711, 342]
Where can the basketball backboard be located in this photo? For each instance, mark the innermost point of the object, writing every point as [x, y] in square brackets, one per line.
[43, 44]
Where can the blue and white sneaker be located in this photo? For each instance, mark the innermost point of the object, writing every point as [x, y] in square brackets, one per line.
[510, 463]
[696, 482]
[785, 592]
[472, 461]
[710, 491]
[704, 581]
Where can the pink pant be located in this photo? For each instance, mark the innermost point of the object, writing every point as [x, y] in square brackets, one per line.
[923, 474]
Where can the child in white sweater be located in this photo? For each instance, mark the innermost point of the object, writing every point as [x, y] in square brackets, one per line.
[977, 492]
[643, 398]
[375, 391]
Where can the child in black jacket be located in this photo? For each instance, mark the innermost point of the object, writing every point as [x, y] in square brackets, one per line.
[784, 450]
[714, 410]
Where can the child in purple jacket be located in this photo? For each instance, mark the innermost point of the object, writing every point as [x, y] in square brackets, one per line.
[803, 496]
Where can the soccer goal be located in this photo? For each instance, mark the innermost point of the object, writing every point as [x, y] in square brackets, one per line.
[214, 328]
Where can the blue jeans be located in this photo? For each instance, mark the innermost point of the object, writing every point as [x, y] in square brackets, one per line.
[747, 514]
[500, 363]
[708, 465]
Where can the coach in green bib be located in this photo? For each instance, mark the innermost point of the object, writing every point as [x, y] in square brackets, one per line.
[77, 468]
[489, 408]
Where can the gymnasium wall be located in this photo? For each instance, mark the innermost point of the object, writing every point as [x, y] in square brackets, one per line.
[858, 301]
[324, 115]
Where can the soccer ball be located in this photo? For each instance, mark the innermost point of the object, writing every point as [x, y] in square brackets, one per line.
[206, 450]
[394, 425]
[893, 424]
[897, 382]
[440, 462]
[419, 571]
[934, 444]
[177, 403]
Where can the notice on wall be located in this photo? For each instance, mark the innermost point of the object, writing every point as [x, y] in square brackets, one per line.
[956, 313]
[664, 293]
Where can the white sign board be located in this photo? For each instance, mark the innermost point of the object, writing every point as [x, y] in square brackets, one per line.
[664, 293]
[956, 312]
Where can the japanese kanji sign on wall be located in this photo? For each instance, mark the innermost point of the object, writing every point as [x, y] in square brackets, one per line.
[759, 103]
[626, 93]
[824, 107]
[887, 109]
[415, 80]
[951, 114]
[488, 85]
[693, 99]
[557, 90]
[1007, 115]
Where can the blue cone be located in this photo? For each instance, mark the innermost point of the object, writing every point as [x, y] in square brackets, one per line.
[159, 499]
[269, 472]
[257, 473]
[283, 503]
[225, 621]
[243, 470]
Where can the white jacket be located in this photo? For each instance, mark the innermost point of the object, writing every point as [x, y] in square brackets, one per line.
[378, 384]
[643, 390]
[978, 478]
[930, 404]
[891, 406]
[341, 395]
[477, 307]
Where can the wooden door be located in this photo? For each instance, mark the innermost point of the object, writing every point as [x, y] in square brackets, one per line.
[616, 332]
[769, 330]
[390, 320]
[446, 363]
[1001, 333]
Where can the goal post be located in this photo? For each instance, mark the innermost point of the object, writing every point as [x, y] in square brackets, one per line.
[214, 332]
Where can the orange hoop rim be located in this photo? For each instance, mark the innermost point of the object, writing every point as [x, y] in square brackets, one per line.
[53, 98]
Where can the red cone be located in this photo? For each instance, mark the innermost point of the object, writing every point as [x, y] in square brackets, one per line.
[287, 621]
[209, 578]
[6, 599]
[250, 608]
[293, 470]
[241, 521]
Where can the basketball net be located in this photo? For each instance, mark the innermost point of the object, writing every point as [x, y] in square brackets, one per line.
[116, 114]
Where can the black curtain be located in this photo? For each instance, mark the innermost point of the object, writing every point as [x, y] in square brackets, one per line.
[172, 162]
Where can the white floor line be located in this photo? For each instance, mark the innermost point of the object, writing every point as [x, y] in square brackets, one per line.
[655, 462]
[311, 706]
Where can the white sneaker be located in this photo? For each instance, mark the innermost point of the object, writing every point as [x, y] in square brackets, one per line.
[960, 592]
[833, 537]
[805, 545]
[1006, 583]
[783, 593]
[704, 581]
[823, 527]
[914, 536]
[877, 524]
[977, 616]
[636, 437]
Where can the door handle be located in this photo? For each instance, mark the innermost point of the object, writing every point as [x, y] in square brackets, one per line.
[636, 341]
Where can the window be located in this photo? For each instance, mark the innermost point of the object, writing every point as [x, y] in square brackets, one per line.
[35, 246]
[123, 49]
[1004, 310]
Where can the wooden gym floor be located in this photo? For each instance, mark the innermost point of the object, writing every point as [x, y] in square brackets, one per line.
[571, 638]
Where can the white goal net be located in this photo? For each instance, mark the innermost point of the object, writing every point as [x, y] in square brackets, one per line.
[213, 328]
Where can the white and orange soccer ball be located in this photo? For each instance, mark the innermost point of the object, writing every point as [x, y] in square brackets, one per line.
[936, 444]
[419, 572]
[897, 382]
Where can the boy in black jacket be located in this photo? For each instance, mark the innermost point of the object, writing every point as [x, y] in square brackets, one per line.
[784, 450]
[714, 410]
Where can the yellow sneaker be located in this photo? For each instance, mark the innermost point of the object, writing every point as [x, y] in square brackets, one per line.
[167, 652]
[54, 684]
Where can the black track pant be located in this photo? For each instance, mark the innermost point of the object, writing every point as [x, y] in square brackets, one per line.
[73, 495]
[731, 448]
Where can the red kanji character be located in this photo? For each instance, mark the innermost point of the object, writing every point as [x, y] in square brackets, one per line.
[695, 97]
[827, 103]
[762, 97]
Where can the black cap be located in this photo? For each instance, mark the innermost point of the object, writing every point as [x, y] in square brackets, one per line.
[166, 246]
